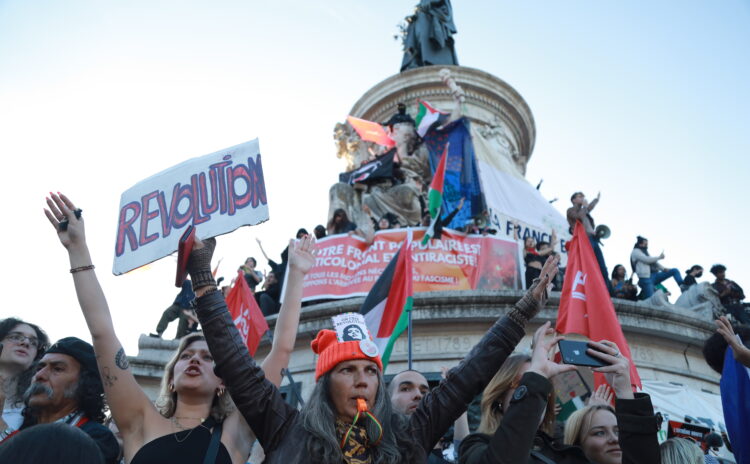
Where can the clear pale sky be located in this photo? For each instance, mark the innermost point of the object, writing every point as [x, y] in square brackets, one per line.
[644, 101]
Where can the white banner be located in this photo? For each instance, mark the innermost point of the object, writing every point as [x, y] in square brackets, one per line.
[215, 193]
[510, 197]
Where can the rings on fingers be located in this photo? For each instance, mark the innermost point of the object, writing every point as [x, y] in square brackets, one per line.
[616, 355]
[78, 212]
[63, 225]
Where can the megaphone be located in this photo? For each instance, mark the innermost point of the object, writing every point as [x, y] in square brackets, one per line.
[602, 232]
[480, 221]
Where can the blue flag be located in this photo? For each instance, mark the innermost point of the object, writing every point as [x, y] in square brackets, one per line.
[735, 399]
[461, 175]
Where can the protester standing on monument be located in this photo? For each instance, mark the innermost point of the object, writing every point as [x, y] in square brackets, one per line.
[252, 276]
[349, 385]
[66, 388]
[21, 344]
[581, 211]
[518, 413]
[183, 302]
[193, 401]
[650, 272]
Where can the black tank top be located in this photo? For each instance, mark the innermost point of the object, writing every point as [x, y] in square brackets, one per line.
[186, 447]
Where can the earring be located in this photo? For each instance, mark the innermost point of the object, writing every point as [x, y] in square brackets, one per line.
[171, 387]
[220, 392]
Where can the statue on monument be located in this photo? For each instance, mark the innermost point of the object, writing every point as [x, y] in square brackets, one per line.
[401, 195]
[428, 37]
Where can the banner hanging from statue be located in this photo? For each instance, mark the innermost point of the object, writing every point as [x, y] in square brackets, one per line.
[345, 266]
[216, 193]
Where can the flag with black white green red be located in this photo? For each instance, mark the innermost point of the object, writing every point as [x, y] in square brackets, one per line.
[386, 308]
[435, 196]
[427, 116]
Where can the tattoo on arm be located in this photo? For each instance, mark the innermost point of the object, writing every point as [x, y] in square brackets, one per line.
[107, 377]
[121, 360]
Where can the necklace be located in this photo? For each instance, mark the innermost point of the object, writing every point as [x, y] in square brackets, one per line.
[182, 428]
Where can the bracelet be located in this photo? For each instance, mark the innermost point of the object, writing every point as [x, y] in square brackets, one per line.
[82, 268]
[6, 433]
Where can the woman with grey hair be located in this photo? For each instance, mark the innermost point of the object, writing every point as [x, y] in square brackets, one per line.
[349, 417]
[193, 410]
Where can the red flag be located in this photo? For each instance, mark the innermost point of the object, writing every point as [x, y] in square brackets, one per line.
[371, 131]
[246, 314]
[585, 305]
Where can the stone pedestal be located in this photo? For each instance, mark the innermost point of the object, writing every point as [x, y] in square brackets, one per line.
[666, 345]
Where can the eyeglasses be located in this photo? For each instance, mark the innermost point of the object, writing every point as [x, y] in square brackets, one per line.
[19, 338]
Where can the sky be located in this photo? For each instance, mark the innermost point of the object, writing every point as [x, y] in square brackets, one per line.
[643, 101]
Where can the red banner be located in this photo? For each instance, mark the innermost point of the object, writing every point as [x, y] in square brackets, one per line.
[345, 266]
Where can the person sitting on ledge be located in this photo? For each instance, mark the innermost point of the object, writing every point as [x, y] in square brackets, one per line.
[730, 294]
[648, 269]
[691, 276]
[349, 417]
[622, 287]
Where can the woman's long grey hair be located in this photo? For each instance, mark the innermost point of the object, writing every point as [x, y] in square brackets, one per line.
[323, 443]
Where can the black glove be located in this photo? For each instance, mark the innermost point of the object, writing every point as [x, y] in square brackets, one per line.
[199, 264]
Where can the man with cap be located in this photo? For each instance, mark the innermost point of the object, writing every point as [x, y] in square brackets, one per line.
[66, 388]
[349, 417]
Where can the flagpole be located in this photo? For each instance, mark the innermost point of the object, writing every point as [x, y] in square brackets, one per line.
[408, 328]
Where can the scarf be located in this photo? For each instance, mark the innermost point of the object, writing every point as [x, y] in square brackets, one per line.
[356, 449]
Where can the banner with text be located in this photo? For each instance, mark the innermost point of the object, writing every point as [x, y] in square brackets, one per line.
[510, 197]
[345, 266]
[215, 193]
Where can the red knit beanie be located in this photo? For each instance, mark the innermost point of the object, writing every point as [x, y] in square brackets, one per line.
[331, 352]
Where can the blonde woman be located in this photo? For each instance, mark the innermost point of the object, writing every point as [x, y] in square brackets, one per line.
[681, 451]
[594, 429]
[195, 402]
[517, 410]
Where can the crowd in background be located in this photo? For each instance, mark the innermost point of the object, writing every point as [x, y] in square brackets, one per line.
[82, 401]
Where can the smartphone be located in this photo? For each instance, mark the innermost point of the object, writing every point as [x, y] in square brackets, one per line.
[184, 247]
[574, 352]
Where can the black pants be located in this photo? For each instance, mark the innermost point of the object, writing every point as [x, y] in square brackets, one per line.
[738, 310]
[531, 274]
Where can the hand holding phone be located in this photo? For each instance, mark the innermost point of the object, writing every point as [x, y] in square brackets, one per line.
[575, 352]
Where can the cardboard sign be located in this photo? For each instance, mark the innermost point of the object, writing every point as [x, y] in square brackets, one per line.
[215, 193]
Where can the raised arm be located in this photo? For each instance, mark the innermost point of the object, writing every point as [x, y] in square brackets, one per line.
[449, 400]
[740, 351]
[256, 398]
[260, 245]
[590, 207]
[514, 437]
[128, 403]
[301, 260]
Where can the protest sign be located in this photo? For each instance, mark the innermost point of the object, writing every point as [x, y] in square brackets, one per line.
[215, 193]
[345, 266]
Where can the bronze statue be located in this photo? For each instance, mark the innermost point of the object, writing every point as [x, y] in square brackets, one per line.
[429, 33]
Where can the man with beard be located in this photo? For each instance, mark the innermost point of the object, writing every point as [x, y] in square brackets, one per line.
[66, 388]
[406, 391]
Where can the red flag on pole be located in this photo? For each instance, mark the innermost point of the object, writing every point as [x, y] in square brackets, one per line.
[585, 305]
[246, 314]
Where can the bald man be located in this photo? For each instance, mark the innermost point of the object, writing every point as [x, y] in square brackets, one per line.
[407, 388]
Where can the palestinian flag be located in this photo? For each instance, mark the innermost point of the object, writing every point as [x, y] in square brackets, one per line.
[387, 306]
[427, 115]
[435, 196]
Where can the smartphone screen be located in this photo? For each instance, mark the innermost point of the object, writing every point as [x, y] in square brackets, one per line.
[574, 352]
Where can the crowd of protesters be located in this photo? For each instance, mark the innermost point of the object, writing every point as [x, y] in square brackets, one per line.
[217, 405]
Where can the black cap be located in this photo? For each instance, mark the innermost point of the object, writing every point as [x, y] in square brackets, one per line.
[77, 349]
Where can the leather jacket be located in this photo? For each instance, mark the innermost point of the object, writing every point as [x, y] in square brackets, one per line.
[517, 436]
[278, 426]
